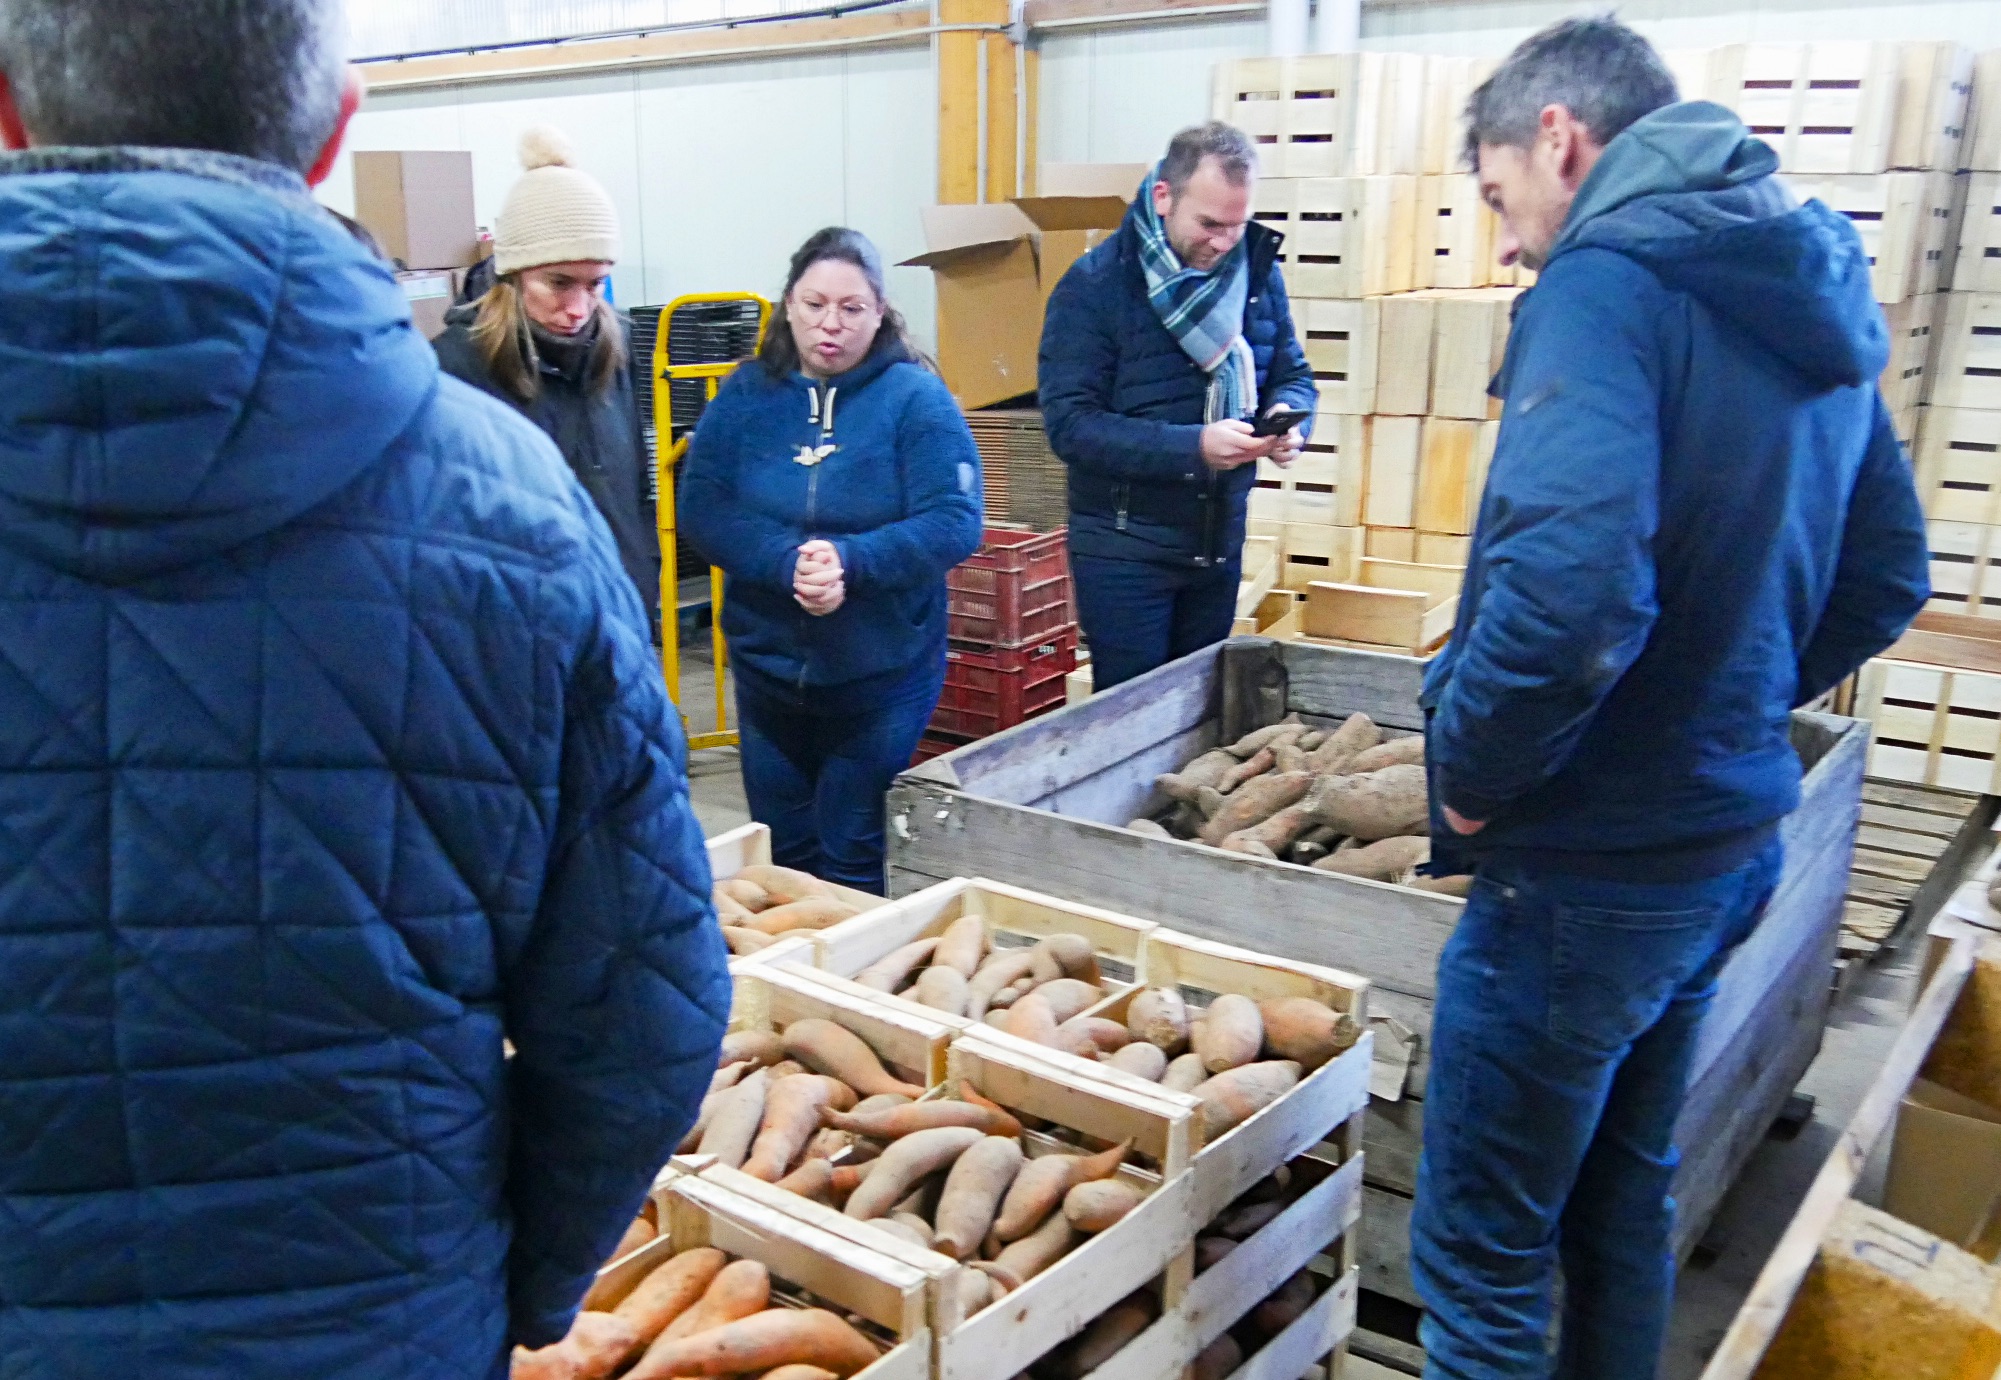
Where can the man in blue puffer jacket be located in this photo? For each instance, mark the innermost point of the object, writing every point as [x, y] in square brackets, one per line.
[1697, 518]
[1158, 349]
[331, 755]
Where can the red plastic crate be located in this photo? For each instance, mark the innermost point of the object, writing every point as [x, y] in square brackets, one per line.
[933, 745]
[1012, 592]
[988, 691]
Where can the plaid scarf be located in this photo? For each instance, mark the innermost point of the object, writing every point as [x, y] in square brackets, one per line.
[1203, 309]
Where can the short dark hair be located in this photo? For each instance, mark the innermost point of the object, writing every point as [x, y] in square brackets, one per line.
[778, 352]
[1236, 156]
[1605, 74]
[259, 78]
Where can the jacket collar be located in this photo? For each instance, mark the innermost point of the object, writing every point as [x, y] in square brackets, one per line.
[124, 158]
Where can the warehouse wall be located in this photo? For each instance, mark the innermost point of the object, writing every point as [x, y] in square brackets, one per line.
[718, 170]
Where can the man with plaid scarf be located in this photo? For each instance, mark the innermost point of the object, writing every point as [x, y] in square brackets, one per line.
[1161, 349]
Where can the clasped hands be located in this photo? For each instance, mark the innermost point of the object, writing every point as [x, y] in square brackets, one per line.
[1229, 443]
[818, 582]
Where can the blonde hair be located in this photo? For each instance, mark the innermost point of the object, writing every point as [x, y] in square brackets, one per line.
[505, 339]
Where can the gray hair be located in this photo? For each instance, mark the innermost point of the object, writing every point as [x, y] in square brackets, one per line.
[1602, 72]
[1236, 156]
[259, 78]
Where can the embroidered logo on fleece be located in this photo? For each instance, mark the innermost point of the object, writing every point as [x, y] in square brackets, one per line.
[813, 455]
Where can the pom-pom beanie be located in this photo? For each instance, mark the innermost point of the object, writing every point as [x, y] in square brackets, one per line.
[556, 213]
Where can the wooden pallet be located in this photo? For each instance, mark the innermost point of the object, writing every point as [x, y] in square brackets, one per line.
[1912, 845]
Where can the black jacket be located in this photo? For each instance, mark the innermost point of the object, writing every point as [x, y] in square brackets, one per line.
[598, 435]
[1123, 404]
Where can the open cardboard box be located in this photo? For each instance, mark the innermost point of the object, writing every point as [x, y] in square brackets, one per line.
[1945, 1162]
[996, 264]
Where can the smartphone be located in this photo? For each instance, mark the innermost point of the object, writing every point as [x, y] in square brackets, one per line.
[1279, 422]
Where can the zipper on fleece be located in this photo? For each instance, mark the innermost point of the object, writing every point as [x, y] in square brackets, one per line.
[822, 417]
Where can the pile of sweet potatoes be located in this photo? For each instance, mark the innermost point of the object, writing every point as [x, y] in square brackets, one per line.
[700, 1314]
[1347, 800]
[763, 904]
[962, 974]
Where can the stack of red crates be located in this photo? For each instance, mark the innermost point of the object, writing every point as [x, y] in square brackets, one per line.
[1013, 637]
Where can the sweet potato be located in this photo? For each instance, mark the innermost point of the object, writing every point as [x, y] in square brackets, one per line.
[1257, 764]
[1107, 1036]
[1231, 1034]
[1028, 1256]
[1340, 747]
[729, 911]
[814, 1179]
[1282, 1308]
[1290, 757]
[973, 1190]
[894, 1123]
[1075, 1042]
[1246, 1220]
[1205, 770]
[735, 1121]
[907, 1225]
[1306, 1031]
[1385, 860]
[1152, 828]
[758, 1048]
[1218, 1360]
[833, 1049]
[786, 1068]
[888, 973]
[1185, 1073]
[670, 1290]
[725, 1078]
[1236, 1095]
[1253, 803]
[1380, 805]
[1443, 886]
[976, 1290]
[597, 1345]
[1042, 1182]
[1068, 996]
[1160, 1017]
[1094, 1206]
[905, 1163]
[1288, 730]
[741, 1288]
[1141, 1060]
[1210, 1250]
[848, 1177]
[791, 1115]
[963, 945]
[942, 989]
[638, 1234]
[811, 913]
[1393, 753]
[783, 884]
[999, 970]
[799, 1372]
[1274, 835]
[1031, 1019]
[997, 1018]
[775, 1337]
[1103, 1339]
[745, 893]
[1063, 955]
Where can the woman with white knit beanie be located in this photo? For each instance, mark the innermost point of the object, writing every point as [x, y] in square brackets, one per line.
[544, 340]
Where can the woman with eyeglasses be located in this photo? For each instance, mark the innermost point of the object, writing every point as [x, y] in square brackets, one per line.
[835, 482]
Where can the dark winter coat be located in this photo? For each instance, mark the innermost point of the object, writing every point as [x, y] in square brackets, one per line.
[1697, 517]
[879, 462]
[1123, 404]
[332, 753]
[597, 432]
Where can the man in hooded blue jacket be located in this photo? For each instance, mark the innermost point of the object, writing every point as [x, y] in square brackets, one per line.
[1697, 518]
[332, 754]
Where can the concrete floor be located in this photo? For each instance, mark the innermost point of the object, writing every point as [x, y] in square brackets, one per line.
[1759, 1206]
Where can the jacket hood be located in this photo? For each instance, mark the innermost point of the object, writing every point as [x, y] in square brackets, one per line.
[194, 355]
[1688, 193]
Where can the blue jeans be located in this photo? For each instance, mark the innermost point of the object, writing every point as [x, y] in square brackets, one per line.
[816, 772]
[1137, 615]
[1562, 1037]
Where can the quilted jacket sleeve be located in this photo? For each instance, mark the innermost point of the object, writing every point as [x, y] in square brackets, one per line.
[941, 468]
[746, 543]
[617, 1002]
[1884, 574]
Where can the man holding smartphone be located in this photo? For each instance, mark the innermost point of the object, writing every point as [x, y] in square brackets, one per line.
[1169, 368]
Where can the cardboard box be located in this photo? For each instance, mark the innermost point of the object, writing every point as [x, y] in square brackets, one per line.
[1078, 207]
[430, 293]
[419, 205]
[1945, 1162]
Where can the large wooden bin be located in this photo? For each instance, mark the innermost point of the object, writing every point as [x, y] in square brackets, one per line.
[1042, 806]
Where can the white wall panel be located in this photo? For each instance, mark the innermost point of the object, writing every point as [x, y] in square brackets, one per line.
[891, 143]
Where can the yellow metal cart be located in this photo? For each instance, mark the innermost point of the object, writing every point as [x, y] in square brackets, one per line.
[710, 374]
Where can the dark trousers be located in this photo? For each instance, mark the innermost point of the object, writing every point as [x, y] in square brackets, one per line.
[817, 776]
[1137, 615]
[1563, 1032]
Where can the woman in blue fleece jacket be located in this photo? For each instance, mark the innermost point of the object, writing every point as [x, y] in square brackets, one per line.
[835, 482]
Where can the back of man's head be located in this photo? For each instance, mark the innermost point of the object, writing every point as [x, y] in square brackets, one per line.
[258, 78]
[1605, 74]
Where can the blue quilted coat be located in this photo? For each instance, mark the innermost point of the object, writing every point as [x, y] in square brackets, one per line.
[331, 753]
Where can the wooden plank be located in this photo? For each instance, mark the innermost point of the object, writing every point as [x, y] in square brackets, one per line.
[1403, 364]
[1389, 617]
[1002, 125]
[1926, 846]
[1385, 1242]
[959, 106]
[1446, 497]
[1929, 799]
[1385, 687]
[1871, 923]
[1892, 867]
[1392, 446]
[1063, 14]
[1124, 791]
[1877, 891]
[1254, 686]
[1911, 821]
[1310, 1337]
[1439, 582]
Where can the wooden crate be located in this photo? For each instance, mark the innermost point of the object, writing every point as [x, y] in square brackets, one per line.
[1906, 379]
[1388, 544]
[1327, 115]
[910, 1040]
[1935, 83]
[1959, 466]
[809, 1267]
[1044, 804]
[1393, 447]
[1451, 476]
[1904, 219]
[1962, 574]
[1258, 571]
[1403, 358]
[1850, 1292]
[1914, 843]
[1381, 618]
[1450, 83]
[1825, 107]
[1319, 553]
[1441, 548]
[1339, 339]
[1932, 726]
[1977, 268]
[1276, 616]
[1455, 233]
[1469, 341]
[1968, 371]
[1345, 237]
[1982, 149]
[749, 844]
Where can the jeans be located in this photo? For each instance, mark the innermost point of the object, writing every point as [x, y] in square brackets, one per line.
[1137, 615]
[818, 778]
[1562, 1037]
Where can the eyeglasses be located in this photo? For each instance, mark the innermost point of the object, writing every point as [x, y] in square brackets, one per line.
[813, 313]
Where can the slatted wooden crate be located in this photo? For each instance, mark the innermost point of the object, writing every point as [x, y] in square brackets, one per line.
[1904, 219]
[1469, 341]
[1912, 846]
[1345, 237]
[1340, 341]
[1314, 552]
[1383, 618]
[1968, 368]
[1393, 447]
[749, 844]
[1452, 473]
[1982, 149]
[1825, 107]
[911, 1042]
[1977, 267]
[1450, 83]
[1403, 358]
[1906, 379]
[1932, 726]
[1962, 578]
[1935, 84]
[1959, 469]
[1455, 233]
[1327, 115]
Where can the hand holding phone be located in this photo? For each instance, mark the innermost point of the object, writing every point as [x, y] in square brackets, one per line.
[1279, 421]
